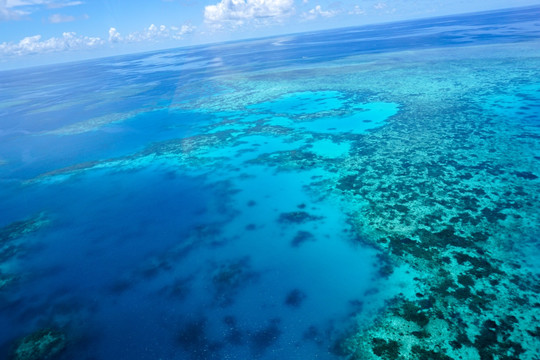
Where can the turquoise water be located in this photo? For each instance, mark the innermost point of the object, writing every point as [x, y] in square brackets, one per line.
[352, 196]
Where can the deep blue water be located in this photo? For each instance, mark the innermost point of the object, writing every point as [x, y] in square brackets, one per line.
[184, 228]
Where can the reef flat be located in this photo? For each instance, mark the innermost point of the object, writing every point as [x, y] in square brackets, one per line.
[378, 205]
[450, 188]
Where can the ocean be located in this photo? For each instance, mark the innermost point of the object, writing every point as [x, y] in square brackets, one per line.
[358, 193]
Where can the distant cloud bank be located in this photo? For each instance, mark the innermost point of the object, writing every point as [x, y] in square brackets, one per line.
[152, 33]
[34, 44]
[227, 15]
[239, 12]
[71, 41]
[317, 11]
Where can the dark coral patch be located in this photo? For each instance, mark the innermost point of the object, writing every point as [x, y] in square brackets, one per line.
[43, 344]
[410, 311]
[295, 298]
[234, 335]
[263, 339]
[385, 349]
[297, 217]
[526, 175]
[229, 277]
[301, 237]
[426, 354]
[313, 334]
[193, 339]
[465, 280]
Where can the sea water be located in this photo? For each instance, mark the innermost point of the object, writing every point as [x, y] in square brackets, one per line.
[236, 201]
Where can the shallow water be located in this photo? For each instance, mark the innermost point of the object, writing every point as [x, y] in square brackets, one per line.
[273, 199]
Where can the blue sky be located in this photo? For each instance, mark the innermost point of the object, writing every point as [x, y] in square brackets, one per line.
[47, 31]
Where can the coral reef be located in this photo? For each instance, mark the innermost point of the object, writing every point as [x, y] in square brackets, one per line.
[297, 217]
[448, 186]
[194, 340]
[19, 228]
[301, 237]
[295, 298]
[264, 338]
[12, 244]
[440, 192]
[45, 344]
[228, 278]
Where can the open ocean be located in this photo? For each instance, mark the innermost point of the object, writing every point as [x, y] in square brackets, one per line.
[359, 193]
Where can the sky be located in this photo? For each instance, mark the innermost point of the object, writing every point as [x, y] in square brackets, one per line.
[35, 32]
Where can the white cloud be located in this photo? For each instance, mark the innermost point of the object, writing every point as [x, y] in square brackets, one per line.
[152, 33]
[357, 10]
[380, 6]
[34, 44]
[178, 33]
[238, 12]
[57, 5]
[71, 41]
[49, 3]
[114, 35]
[15, 3]
[317, 11]
[15, 9]
[7, 13]
[59, 18]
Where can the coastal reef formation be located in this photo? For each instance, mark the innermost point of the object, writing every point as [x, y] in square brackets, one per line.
[449, 185]
[451, 188]
[445, 180]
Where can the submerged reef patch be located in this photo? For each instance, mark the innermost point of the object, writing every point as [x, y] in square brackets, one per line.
[19, 228]
[229, 278]
[297, 217]
[194, 339]
[261, 340]
[295, 298]
[13, 244]
[45, 344]
[301, 237]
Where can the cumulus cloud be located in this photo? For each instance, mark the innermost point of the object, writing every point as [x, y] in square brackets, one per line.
[59, 18]
[238, 12]
[179, 32]
[317, 11]
[114, 35]
[35, 45]
[71, 41]
[152, 33]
